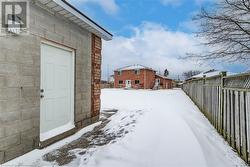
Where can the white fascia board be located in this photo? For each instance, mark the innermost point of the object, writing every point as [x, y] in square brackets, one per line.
[105, 35]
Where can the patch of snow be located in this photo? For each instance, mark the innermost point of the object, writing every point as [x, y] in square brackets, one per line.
[134, 67]
[34, 158]
[172, 132]
[164, 127]
[56, 131]
[162, 76]
[211, 74]
[122, 124]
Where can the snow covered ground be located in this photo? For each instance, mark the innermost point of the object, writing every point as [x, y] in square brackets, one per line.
[156, 129]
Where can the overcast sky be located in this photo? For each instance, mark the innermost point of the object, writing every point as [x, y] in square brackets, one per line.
[155, 33]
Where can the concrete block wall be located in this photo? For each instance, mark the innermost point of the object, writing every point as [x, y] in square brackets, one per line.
[20, 80]
[19, 105]
[52, 27]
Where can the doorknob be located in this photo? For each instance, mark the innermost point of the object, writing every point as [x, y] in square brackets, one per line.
[42, 96]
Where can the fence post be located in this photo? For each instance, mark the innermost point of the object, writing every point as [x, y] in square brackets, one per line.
[221, 128]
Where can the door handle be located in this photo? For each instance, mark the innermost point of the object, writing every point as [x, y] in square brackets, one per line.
[42, 96]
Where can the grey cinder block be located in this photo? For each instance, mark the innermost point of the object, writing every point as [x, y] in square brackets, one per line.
[1, 157]
[2, 133]
[9, 141]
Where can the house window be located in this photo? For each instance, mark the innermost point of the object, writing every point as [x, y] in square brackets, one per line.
[119, 72]
[137, 72]
[120, 82]
[137, 81]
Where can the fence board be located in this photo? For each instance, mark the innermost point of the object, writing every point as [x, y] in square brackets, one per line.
[219, 109]
[232, 113]
[225, 114]
[243, 125]
[216, 105]
[220, 113]
[225, 101]
[228, 117]
[237, 121]
[212, 106]
[248, 123]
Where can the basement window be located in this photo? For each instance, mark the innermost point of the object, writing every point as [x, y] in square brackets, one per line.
[137, 81]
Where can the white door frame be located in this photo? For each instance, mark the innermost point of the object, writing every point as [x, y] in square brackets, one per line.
[72, 86]
[157, 82]
[126, 83]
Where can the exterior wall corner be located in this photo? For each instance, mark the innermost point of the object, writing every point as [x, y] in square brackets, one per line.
[96, 75]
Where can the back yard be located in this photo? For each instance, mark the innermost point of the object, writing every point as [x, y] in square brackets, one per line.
[141, 128]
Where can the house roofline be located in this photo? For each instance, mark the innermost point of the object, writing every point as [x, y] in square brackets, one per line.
[164, 77]
[71, 13]
[87, 17]
[144, 67]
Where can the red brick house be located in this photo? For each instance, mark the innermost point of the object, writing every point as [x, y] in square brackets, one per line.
[163, 82]
[140, 77]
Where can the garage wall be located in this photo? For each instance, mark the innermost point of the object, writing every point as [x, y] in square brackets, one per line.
[46, 25]
[19, 95]
[20, 80]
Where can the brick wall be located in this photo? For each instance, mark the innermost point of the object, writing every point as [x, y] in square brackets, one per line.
[146, 78]
[96, 75]
[150, 79]
[169, 84]
[165, 83]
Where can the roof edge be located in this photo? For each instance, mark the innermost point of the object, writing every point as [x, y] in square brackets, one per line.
[121, 68]
[107, 34]
[162, 76]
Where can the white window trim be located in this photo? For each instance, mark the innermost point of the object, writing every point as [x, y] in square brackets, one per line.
[137, 71]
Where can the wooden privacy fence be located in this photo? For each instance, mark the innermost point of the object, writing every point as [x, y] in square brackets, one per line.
[225, 101]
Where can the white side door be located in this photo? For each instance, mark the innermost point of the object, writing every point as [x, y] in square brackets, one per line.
[157, 82]
[128, 83]
[57, 91]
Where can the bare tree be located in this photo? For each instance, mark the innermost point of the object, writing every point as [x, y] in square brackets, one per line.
[189, 74]
[226, 30]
